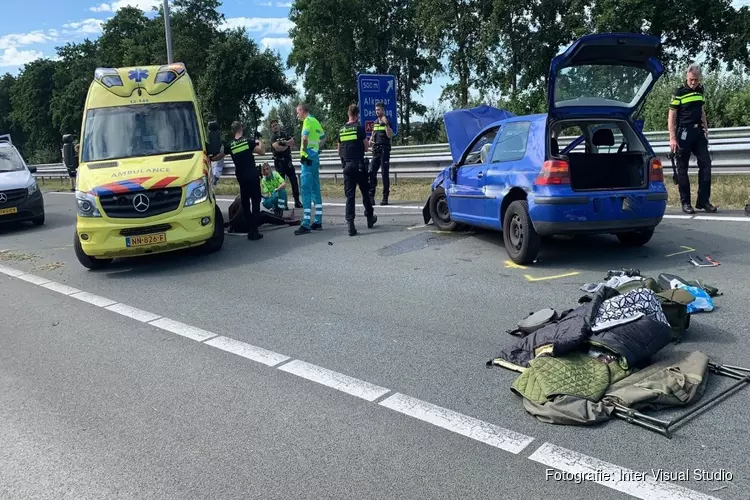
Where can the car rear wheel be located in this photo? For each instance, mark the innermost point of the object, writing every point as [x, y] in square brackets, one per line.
[521, 239]
[636, 238]
[439, 211]
[217, 239]
[86, 260]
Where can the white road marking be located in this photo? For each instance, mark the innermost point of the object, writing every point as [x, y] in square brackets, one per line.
[60, 288]
[11, 271]
[464, 425]
[719, 217]
[612, 476]
[248, 351]
[33, 278]
[182, 329]
[335, 380]
[94, 299]
[133, 313]
[670, 216]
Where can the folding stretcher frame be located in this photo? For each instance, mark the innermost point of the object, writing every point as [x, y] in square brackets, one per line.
[664, 427]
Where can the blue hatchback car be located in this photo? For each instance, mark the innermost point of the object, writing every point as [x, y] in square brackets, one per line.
[510, 174]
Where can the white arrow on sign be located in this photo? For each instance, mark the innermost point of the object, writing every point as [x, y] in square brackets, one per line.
[389, 87]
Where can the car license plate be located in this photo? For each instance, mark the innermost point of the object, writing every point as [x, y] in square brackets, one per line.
[146, 239]
[8, 211]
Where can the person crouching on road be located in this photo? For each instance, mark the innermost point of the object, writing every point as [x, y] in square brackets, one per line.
[313, 139]
[690, 135]
[352, 146]
[273, 191]
[281, 147]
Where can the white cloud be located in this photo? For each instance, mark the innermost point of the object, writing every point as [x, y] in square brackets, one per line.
[86, 27]
[284, 4]
[144, 5]
[102, 7]
[15, 57]
[15, 40]
[276, 43]
[263, 25]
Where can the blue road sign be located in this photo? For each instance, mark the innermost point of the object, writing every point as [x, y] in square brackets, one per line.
[372, 90]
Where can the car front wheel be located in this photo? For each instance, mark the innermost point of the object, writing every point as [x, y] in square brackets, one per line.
[521, 239]
[439, 211]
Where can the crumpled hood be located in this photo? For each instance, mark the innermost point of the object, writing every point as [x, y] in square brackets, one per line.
[137, 174]
[463, 125]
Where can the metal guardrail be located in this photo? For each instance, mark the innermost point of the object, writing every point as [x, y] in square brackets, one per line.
[729, 147]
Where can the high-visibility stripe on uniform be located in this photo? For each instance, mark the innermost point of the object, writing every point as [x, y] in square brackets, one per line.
[348, 134]
[687, 98]
[378, 128]
[239, 147]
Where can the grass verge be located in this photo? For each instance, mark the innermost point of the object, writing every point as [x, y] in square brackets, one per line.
[727, 191]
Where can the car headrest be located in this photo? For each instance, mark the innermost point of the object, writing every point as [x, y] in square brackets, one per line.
[604, 137]
[555, 147]
[484, 153]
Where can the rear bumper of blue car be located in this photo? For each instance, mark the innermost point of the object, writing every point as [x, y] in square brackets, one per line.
[597, 213]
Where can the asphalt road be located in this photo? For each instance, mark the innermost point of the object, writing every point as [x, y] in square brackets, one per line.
[96, 404]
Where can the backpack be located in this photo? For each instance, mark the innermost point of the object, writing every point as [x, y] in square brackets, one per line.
[534, 321]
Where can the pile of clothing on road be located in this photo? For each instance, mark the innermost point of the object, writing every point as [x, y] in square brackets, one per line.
[577, 365]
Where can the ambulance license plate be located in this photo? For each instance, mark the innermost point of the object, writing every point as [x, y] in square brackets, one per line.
[146, 239]
[8, 211]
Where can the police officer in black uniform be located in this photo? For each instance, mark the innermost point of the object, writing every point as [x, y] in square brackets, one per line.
[352, 146]
[241, 149]
[281, 146]
[689, 134]
[381, 153]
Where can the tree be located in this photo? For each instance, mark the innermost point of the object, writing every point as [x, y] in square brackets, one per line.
[128, 40]
[7, 126]
[72, 80]
[30, 97]
[238, 75]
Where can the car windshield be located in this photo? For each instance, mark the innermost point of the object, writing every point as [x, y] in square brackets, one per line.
[10, 161]
[143, 130]
[609, 85]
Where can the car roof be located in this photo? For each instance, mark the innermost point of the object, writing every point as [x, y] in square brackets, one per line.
[523, 118]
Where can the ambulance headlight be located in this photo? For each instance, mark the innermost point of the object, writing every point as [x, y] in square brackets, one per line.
[86, 205]
[197, 192]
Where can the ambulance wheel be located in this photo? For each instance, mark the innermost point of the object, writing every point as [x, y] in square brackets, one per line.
[439, 211]
[86, 260]
[521, 239]
[636, 238]
[216, 241]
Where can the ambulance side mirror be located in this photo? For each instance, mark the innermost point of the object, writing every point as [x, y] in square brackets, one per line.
[70, 158]
[214, 138]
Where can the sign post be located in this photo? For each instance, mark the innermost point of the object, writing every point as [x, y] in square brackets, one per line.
[373, 89]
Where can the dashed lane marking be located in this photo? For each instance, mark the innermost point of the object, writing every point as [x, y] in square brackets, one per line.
[470, 427]
[478, 430]
[339, 381]
[636, 484]
[247, 351]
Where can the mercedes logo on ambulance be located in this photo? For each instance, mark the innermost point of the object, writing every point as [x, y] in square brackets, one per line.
[141, 203]
[3, 198]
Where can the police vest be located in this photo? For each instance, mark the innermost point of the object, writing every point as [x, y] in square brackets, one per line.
[350, 138]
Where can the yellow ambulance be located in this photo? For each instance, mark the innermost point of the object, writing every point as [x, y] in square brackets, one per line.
[143, 182]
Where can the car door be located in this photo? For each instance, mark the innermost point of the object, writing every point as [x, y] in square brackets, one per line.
[505, 163]
[466, 199]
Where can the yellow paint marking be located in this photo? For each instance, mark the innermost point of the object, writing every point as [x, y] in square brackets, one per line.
[512, 265]
[557, 276]
[687, 250]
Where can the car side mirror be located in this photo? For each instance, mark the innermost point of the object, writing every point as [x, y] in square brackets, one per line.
[32, 169]
[454, 173]
[70, 158]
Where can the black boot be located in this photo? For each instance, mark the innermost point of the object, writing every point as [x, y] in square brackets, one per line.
[371, 220]
[316, 226]
[384, 201]
[352, 229]
[301, 230]
[706, 206]
[297, 204]
[254, 235]
[687, 208]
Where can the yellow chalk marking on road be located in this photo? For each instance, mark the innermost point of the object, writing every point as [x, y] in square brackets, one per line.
[687, 250]
[557, 276]
[512, 265]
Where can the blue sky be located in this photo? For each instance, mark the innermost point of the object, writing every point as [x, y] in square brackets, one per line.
[30, 29]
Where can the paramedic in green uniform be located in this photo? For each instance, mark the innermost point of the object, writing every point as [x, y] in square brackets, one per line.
[689, 134]
[313, 139]
[273, 190]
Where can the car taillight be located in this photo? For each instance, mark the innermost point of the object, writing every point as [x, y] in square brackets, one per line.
[554, 173]
[656, 171]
